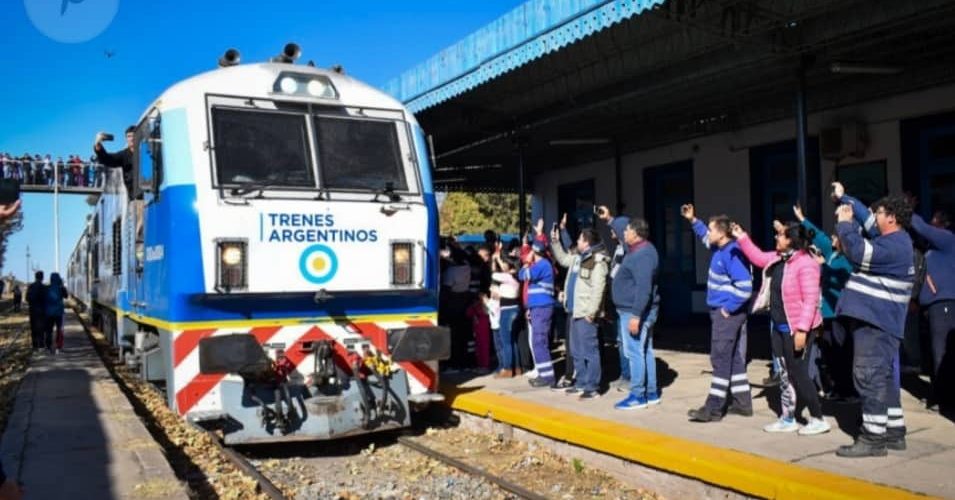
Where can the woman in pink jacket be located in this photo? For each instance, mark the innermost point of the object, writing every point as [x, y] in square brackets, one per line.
[791, 293]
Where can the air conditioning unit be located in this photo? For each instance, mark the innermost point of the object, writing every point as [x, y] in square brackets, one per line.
[848, 139]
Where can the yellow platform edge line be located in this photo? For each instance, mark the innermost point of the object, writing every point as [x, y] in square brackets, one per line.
[743, 472]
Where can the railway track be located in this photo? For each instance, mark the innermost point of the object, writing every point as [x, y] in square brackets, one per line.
[499, 481]
[244, 463]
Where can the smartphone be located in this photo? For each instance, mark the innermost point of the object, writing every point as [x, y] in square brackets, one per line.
[596, 210]
[108, 137]
[554, 228]
[9, 191]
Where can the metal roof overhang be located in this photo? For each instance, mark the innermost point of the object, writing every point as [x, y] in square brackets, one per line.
[673, 71]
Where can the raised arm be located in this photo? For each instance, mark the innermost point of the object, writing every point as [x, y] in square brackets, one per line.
[938, 238]
[560, 255]
[820, 239]
[868, 255]
[701, 232]
[753, 253]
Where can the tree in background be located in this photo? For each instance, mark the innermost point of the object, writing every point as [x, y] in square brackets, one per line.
[470, 213]
[9, 226]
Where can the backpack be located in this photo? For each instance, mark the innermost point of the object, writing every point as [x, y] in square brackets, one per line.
[921, 271]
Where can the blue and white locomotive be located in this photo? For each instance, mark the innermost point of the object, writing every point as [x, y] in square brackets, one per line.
[280, 276]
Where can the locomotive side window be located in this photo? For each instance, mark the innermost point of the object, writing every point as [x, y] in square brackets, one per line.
[359, 154]
[261, 148]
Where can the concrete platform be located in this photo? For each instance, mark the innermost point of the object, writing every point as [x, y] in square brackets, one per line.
[734, 453]
[73, 433]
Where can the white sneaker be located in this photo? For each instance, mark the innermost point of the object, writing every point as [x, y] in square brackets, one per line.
[782, 426]
[815, 426]
[531, 374]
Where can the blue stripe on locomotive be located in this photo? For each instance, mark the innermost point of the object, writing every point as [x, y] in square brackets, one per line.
[433, 242]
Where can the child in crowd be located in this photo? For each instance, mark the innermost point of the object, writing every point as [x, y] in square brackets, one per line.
[481, 326]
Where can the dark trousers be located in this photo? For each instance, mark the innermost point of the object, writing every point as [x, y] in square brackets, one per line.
[52, 325]
[525, 359]
[462, 338]
[586, 354]
[37, 329]
[941, 320]
[797, 368]
[728, 357]
[837, 353]
[911, 351]
[875, 352]
[570, 366]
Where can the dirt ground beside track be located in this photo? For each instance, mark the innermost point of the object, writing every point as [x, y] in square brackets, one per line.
[385, 469]
[14, 357]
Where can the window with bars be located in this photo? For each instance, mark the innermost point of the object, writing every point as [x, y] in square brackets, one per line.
[117, 247]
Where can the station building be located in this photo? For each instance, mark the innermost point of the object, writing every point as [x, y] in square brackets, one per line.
[644, 105]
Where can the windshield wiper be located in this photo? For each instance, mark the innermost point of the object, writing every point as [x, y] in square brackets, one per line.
[389, 191]
[260, 186]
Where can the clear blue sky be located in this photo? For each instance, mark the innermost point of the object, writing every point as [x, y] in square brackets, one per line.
[58, 95]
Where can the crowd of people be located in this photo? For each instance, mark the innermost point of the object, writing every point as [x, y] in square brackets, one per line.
[40, 170]
[838, 305]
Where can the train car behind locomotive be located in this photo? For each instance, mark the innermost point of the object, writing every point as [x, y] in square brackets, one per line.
[275, 264]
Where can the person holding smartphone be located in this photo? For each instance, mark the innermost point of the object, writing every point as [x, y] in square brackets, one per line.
[120, 159]
[791, 294]
[729, 288]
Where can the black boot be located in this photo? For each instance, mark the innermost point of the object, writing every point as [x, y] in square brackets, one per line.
[704, 414]
[895, 441]
[864, 446]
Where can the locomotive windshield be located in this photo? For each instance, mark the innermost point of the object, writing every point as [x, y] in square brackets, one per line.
[262, 148]
[359, 154]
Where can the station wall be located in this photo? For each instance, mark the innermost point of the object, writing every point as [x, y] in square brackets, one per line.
[721, 165]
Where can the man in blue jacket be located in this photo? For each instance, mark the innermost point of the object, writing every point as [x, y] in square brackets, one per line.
[539, 275]
[875, 302]
[617, 226]
[637, 301]
[937, 295]
[867, 219]
[729, 286]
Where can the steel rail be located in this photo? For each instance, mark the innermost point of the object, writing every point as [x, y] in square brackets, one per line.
[470, 469]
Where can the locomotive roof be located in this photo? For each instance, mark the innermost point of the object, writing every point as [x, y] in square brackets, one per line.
[258, 79]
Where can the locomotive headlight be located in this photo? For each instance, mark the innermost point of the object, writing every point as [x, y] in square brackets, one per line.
[402, 263]
[288, 85]
[231, 255]
[304, 85]
[317, 88]
[231, 264]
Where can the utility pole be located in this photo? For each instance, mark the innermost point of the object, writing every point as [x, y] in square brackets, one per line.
[56, 216]
[27, 278]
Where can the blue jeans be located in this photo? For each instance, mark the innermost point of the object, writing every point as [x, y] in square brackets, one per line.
[622, 350]
[586, 354]
[504, 338]
[639, 349]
